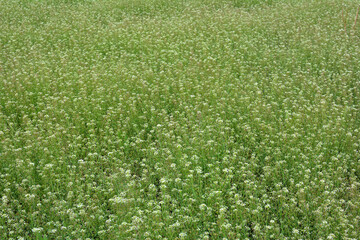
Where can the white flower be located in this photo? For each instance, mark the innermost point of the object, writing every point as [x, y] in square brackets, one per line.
[331, 236]
[37, 230]
[182, 235]
[203, 207]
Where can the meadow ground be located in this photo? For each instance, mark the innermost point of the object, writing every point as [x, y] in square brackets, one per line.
[186, 119]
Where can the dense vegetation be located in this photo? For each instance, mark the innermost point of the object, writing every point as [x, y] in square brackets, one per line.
[179, 119]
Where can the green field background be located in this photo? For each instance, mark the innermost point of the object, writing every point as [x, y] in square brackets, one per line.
[189, 119]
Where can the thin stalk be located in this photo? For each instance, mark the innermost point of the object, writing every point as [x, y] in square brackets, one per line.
[343, 18]
[356, 17]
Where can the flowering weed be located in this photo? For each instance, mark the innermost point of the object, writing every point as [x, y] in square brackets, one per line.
[190, 119]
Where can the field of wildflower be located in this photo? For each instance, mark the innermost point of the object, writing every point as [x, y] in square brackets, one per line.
[179, 119]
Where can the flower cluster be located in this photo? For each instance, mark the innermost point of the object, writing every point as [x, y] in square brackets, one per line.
[192, 119]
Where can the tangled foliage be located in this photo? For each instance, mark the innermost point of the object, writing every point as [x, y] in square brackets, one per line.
[192, 119]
